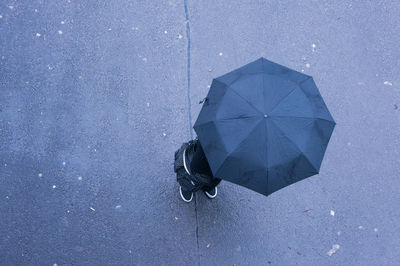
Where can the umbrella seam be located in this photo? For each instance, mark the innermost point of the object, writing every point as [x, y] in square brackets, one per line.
[297, 147]
[287, 95]
[265, 123]
[236, 147]
[234, 118]
[302, 117]
[266, 153]
[230, 84]
[319, 93]
[231, 89]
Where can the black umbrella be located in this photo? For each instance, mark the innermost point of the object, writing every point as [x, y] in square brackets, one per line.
[264, 126]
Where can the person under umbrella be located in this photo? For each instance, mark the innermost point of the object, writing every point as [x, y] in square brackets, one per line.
[193, 171]
[262, 126]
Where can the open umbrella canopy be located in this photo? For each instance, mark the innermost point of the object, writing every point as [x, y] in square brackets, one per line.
[264, 126]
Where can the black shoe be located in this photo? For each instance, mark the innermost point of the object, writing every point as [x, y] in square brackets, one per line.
[187, 196]
[211, 193]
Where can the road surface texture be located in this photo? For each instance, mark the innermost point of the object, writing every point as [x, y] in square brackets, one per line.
[95, 97]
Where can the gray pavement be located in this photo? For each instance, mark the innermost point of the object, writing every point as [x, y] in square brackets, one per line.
[95, 97]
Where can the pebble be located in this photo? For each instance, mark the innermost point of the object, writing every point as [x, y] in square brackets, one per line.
[333, 250]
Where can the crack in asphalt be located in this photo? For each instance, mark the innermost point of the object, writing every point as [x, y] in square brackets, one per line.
[190, 113]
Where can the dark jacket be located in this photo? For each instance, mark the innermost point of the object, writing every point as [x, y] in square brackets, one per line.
[198, 174]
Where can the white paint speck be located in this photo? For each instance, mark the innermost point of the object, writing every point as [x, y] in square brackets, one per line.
[36, 10]
[313, 47]
[40, 174]
[38, 34]
[210, 69]
[109, 29]
[361, 227]
[67, 211]
[92, 208]
[55, 264]
[375, 230]
[208, 86]
[54, 186]
[60, 32]
[339, 233]
[49, 67]
[165, 32]
[332, 213]
[63, 22]
[333, 250]
[144, 59]
[11, 7]
[1, 16]
[7, 197]
[220, 54]
[118, 206]
[387, 83]
[164, 134]
[302, 70]
[308, 65]
[79, 178]
[148, 104]
[180, 36]
[64, 163]
[135, 28]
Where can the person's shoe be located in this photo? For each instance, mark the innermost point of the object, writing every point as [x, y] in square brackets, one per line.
[211, 193]
[187, 196]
